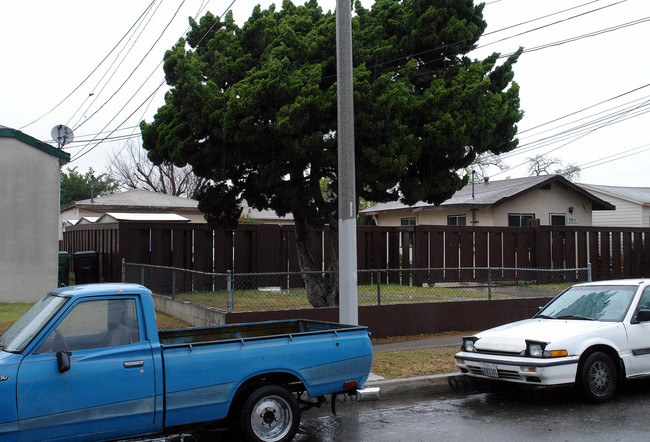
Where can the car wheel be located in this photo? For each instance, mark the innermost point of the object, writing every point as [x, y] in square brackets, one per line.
[269, 414]
[598, 378]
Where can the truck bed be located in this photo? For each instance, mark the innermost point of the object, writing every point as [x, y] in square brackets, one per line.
[251, 331]
[204, 367]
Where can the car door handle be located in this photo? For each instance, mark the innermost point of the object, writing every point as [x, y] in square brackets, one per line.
[133, 364]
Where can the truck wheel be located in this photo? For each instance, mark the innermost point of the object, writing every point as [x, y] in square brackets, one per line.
[598, 378]
[269, 414]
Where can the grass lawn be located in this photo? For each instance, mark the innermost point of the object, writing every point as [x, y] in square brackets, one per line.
[259, 300]
[552, 287]
[409, 363]
[11, 311]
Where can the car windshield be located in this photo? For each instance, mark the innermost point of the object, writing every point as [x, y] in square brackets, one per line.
[25, 329]
[601, 303]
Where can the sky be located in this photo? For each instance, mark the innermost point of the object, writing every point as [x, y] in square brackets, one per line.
[584, 76]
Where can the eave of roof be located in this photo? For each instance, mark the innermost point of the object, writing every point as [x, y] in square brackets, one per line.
[636, 195]
[7, 132]
[138, 199]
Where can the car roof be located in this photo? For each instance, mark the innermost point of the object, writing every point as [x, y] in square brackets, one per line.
[101, 289]
[631, 282]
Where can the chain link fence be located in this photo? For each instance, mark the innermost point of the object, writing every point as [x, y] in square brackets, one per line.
[282, 291]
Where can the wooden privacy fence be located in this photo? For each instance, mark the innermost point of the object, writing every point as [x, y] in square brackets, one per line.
[612, 252]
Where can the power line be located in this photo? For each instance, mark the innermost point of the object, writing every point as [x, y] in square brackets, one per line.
[438, 48]
[93, 71]
[150, 97]
[114, 130]
[608, 159]
[608, 123]
[137, 66]
[98, 94]
[629, 112]
[583, 36]
[550, 24]
[587, 108]
[123, 107]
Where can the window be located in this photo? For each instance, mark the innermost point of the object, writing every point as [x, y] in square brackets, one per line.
[456, 220]
[408, 221]
[519, 219]
[644, 302]
[95, 324]
[557, 219]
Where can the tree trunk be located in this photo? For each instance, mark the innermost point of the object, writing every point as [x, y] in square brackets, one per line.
[322, 288]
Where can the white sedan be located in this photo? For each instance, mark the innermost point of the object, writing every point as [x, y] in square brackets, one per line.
[592, 335]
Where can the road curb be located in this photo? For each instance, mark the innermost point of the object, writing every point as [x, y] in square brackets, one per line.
[419, 385]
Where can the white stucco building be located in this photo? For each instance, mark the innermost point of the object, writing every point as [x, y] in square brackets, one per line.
[29, 219]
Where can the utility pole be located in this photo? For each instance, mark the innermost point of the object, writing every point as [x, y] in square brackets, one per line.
[348, 296]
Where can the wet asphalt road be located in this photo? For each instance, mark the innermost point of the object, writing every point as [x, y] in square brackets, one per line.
[489, 414]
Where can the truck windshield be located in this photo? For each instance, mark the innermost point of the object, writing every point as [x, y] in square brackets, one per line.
[25, 329]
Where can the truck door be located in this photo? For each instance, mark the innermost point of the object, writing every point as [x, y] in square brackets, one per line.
[108, 390]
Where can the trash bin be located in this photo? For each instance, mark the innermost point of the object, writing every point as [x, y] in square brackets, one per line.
[64, 269]
[86, 267]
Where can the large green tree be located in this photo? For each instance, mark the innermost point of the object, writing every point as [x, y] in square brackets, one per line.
[253, 109]
[76, 186]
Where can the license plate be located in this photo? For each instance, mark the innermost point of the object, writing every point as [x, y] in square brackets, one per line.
[489, 369]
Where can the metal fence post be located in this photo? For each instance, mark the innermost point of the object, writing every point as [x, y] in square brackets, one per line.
[589, 272]
[229, 291]
[123, 270]
[489, 283]
[173, 284]
[378, 287]
[142, 275]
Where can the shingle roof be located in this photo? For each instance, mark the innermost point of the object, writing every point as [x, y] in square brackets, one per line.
[141, 199]
[640, 195]
[493, 193]
[155, 201]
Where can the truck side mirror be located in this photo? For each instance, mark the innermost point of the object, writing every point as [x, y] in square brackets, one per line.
[63, 361]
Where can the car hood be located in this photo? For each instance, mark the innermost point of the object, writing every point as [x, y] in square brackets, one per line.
[511, 338]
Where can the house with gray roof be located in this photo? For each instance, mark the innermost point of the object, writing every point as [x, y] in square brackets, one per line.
[29, 219]
[632, 205]
[134, 201]
[551, 199]
[146, 203]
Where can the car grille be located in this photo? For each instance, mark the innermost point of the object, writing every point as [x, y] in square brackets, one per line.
[503, 374]
[498, 353]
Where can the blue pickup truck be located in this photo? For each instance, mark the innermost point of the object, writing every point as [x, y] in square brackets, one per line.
[88, 363]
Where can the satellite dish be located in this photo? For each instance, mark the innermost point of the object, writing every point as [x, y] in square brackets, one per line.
[62, 135]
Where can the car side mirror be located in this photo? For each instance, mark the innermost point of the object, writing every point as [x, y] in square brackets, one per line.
[643, 315]
[63, 361]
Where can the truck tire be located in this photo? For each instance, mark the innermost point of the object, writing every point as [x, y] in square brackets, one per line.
[269, 414]
[598, 378]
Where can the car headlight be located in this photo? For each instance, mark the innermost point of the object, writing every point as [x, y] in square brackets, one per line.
[468, 344]
[535, 349]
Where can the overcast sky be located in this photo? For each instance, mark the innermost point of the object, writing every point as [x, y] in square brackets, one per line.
[585, 80]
